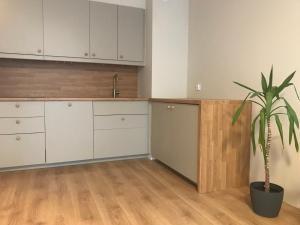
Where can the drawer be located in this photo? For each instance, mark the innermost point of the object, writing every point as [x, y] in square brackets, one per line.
[21, 109]
[112, 108]
[22, 150]
[120, 142]
[22, 125]
[120, 121]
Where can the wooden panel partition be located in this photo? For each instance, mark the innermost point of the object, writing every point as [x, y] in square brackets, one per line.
[224, 150]
[28, 78]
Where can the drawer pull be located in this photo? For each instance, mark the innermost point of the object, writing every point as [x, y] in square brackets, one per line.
[18, 138]
[123, 119]
[169, 107]
[173, 107]
[17, 105]
[18, 121]
[69, 104]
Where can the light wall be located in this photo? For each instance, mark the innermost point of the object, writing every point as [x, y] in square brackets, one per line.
[235, 40]
[166, 49]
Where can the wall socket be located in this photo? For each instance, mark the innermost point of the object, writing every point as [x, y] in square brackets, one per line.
[198, 87]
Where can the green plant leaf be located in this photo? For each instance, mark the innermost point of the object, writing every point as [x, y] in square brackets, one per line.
[264, 83]
[279, 126]
[253, 134]
[291, 129]
[296, 141]
[285, 83]
[271, 79]
[292, 113]
[246, 87]
[239, 110]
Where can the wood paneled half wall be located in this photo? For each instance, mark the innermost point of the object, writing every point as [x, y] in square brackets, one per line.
[28, 78]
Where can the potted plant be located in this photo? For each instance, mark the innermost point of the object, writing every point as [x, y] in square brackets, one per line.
[267, 197]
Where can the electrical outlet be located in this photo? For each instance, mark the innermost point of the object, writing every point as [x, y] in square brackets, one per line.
[198, 87]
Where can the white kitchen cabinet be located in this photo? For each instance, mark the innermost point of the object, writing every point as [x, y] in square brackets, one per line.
[120, 108]
[69, 131]
[21, 109]
[66, 28]
[175, 137]
[120, 142]
[121, 129]
[103, 30]
[21, 27]
[22, 125]
[131, 29]
[22, 150]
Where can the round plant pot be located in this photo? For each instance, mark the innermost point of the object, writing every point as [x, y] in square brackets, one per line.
[267, 204]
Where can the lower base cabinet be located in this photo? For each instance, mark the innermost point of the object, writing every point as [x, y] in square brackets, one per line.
[120, 142]
[69, 131]
[22, 150]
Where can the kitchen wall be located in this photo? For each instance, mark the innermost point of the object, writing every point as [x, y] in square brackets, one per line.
[235, 40]
[166, 59]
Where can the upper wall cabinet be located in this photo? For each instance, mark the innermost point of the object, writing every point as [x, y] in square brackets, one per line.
[21, 27]
[72, 30]
[103, 30]
[66, 28]
[131, 33]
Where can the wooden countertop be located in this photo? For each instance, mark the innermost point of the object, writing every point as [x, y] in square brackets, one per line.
[71, 99]
[189, 101]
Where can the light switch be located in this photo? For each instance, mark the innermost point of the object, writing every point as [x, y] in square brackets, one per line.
[198, 87]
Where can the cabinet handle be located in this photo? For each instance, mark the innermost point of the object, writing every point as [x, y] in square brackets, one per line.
[39, 51]
[17, 105]
[94, 55]
[121, 56]
[18, 138]
[69, 104]
[172, 107]
[169, 107]
[86, 54]
[18, 121]
[123, 119]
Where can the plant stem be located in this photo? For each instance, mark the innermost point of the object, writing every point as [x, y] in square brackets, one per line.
[267, 157]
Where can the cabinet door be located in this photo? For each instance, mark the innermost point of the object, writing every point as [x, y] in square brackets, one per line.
[120, 142]
[131, 33]
[66, 28]
[69, 131]
[21, 27]
[22, 150]
[183, 148]
[103, 30]
[160, 132]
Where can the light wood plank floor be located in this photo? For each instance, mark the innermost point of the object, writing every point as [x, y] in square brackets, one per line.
[137, 192]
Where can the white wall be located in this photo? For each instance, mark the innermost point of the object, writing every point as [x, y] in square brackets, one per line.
[133, 3]
[169, 48]
[235, 40]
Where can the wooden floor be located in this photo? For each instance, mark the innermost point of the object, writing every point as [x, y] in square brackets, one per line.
[134, 192]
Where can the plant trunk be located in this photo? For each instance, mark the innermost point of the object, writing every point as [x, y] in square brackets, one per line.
[267, 157]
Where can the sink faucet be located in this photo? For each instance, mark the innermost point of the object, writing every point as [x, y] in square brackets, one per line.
[115, 92]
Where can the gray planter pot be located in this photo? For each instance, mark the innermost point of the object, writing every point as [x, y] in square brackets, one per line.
[267, 204]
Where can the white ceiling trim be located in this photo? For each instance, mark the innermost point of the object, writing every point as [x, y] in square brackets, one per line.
[133, 3]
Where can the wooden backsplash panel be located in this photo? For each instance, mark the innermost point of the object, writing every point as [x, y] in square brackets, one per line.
[26, 78]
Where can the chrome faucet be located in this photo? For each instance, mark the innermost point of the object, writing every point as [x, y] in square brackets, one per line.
[115, 92]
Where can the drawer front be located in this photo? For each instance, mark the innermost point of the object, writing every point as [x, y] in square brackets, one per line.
[21, 109]
[120, 122]
[113, 108]
[22, 150]
[120, 142]
[21, 125]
